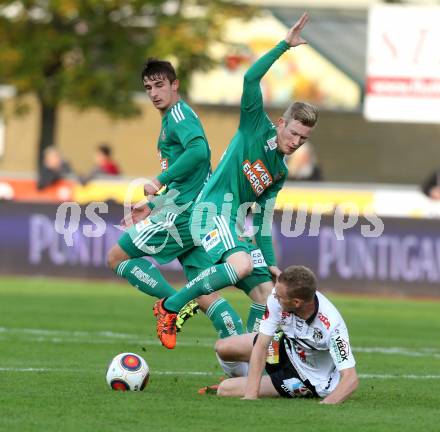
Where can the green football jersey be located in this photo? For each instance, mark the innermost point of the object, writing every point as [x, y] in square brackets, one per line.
[181, 125]
[251, 169]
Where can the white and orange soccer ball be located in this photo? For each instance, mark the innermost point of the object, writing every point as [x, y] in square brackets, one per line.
[128, 371]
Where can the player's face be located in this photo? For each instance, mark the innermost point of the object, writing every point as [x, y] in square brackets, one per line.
[287, 303]
[291, 136]
[161, 92]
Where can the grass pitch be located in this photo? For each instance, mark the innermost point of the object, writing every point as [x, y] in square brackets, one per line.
[58, 336]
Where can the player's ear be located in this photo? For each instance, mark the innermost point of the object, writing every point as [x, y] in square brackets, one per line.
[281, 123]
[175, 85]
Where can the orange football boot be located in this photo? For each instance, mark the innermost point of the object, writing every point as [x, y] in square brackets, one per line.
[165, 325]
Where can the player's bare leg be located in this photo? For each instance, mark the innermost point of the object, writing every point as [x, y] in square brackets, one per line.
[261, 292]
[115, 256]
[259, 295]
[235, 387]
[242, 263]
[231, 368]
[236, 348]
[207, 300]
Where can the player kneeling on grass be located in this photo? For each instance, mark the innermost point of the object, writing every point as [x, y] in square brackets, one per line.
[311, 355]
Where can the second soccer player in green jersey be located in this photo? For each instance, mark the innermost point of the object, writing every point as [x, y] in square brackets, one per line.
[161, 228]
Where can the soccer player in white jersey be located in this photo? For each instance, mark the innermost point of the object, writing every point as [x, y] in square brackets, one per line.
[312, 356]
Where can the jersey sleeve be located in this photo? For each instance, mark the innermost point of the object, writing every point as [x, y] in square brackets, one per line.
[185, 125]
[196, 152]
[251, 108]
[263, 222]
[272, 317]
[340, 349]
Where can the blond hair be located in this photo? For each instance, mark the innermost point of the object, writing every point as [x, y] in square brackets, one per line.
[305, 113]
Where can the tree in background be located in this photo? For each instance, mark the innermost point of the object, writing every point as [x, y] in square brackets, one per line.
[89, 53]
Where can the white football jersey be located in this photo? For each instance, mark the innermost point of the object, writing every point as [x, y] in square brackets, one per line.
[318, 348]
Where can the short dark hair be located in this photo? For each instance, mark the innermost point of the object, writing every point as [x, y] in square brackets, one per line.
[300, 282]
[158, 69]
[105, 150]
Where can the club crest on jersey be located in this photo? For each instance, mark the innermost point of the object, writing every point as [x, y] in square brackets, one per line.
[211, 240]
[163, 164]
[257, 175]
[272, 143]
[317, 335]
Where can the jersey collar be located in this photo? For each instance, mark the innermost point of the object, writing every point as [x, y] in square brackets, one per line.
[315, 312]
[172, 106]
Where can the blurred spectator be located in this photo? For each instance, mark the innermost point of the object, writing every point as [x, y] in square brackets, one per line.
[53, 168]
[303, 165]
[104, 164]
[431, 187]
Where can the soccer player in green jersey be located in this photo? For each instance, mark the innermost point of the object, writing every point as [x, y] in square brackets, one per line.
[251, 172]
[161, 228]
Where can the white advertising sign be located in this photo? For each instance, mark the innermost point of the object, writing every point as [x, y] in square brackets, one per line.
[403, 64]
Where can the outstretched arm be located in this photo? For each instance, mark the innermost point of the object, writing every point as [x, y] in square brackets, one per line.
[252, 98]
[293, 37]
[256, 366]
[348, 384]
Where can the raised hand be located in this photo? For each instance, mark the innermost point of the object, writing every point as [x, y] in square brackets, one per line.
[293, 37]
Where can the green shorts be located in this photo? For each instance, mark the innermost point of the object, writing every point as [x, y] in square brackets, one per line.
[219, 238]
[197, 260]
[164, 237]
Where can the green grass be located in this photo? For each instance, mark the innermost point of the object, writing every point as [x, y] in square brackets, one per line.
[71, 330]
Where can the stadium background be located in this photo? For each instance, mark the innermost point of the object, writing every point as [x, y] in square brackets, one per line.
[376, 166]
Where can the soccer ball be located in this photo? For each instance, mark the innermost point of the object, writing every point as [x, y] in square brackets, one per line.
[128, 371]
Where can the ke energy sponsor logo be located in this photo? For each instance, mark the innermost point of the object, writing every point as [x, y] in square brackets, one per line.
[257, 175]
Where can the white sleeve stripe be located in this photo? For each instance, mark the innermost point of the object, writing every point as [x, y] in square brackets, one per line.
[176, 111]
[179, 109]
[174, 115]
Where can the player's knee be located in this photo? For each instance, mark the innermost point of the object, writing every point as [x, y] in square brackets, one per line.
[114, 257]
[221, 348]
[242, 265]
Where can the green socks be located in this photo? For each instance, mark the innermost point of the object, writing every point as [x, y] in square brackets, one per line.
[225, 320]
[209, 280]
[145, 276]
[256, 312]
